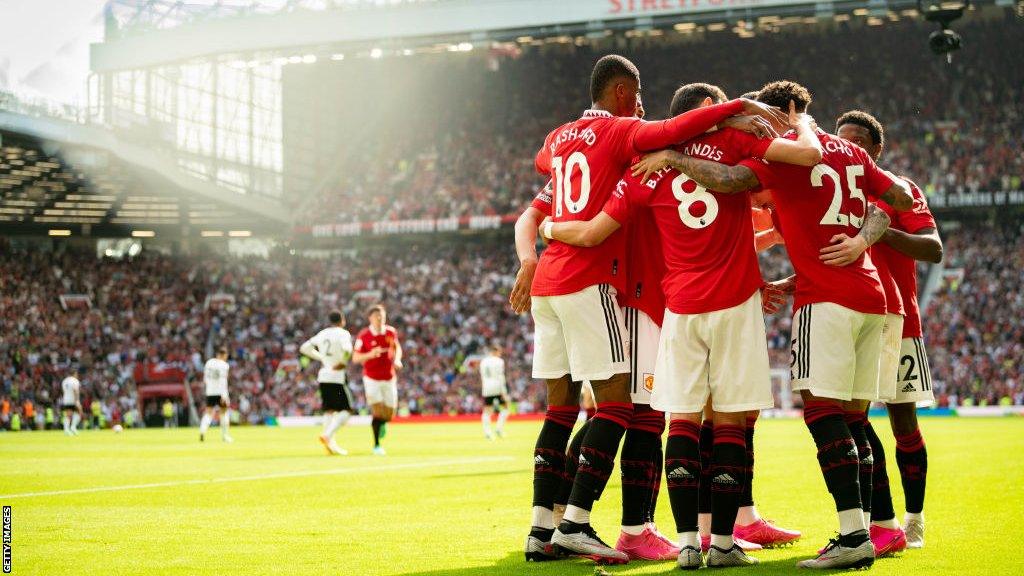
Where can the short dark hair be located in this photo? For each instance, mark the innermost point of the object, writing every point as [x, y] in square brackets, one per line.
[780, 92]
[335, 316]
[861, 118]
[689, 96]
[375, 308]
[606, 70]
[752, 95]
[222, 350]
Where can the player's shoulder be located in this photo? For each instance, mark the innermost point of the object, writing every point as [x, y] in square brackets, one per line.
[389, 329]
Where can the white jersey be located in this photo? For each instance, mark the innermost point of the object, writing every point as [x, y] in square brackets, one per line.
[335, 347]
[70, 387]
[215, 377]
[492, 376]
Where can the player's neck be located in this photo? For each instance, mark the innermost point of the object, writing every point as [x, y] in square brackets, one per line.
[604, 107]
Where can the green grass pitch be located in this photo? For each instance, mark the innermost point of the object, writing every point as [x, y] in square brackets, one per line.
[443, 502]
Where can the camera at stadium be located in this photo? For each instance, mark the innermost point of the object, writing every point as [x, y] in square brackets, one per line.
[511, 287]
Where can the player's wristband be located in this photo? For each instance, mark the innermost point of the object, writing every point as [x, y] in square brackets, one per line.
[547, 229]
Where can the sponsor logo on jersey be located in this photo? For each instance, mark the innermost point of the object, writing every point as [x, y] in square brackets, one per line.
[909, 387]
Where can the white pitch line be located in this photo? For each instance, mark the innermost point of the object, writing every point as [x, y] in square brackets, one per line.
[273, 476]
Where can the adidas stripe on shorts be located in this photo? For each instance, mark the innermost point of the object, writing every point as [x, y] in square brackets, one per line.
[582, 334]
[835, 351]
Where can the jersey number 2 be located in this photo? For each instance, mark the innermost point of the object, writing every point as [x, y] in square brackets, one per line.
[834, 216]
[563, 183]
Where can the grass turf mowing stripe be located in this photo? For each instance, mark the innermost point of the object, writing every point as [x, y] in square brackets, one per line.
[295, 474]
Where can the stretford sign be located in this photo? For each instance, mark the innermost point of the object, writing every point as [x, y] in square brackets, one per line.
[416, 226]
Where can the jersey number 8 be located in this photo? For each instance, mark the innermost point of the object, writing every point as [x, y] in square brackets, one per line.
[688, 199]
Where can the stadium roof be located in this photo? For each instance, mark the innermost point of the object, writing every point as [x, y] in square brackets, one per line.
[179, 31]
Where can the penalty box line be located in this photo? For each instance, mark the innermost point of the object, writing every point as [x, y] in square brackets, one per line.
[274, 476]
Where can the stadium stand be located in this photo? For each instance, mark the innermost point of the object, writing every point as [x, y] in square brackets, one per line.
[473, 153]
[448, 302]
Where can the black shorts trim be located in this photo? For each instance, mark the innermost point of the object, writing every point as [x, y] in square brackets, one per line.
[335, 397]
[496, 401]
[217, 400]
[68, 407]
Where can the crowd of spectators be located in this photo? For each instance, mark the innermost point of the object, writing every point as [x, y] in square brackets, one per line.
[972, 325]
[461, 141]
[447, 301]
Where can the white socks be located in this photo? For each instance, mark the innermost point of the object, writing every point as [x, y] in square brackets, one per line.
[225, 421]
[634, 530]
[723, 542]
[75, 419]
[542, 518]
[891, 523]
[851, 521]
[67, 424]
[576, 514]
[334, 422]
[747, 515]
[911, 516]
[502, 416]
[204, 424]
[691, 539]
[328, 419]
[485, 419]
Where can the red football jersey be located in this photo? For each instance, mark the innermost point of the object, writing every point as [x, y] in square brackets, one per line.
[903, 267]
[880, 258]
[706, 237]
[645, 267]
[585, 159]
[382, 367]
[813, 205]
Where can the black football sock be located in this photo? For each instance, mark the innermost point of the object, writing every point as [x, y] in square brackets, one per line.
[855, 422]
[747, 497]
[549, 453]
[659, 468]
[375, 424]
[912, 460]
[642, 447]
[572, 459]
[881, 497]
[728, 466]
[682, 472]
[638, 472]
[707, 438]
[597, 455]
[837, 453]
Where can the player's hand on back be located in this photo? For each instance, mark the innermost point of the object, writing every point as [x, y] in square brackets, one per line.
[843, 250]
[775, 116]
[756, 125]
[651, 163]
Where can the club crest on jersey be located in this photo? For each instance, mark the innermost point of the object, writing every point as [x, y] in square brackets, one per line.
[649, 382]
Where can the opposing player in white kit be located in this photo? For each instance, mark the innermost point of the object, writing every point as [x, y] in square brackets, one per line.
[215, 379]
[332, 347]
[494, 391]
[71, 402]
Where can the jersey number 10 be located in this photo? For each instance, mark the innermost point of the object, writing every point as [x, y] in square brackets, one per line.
[563, 183]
